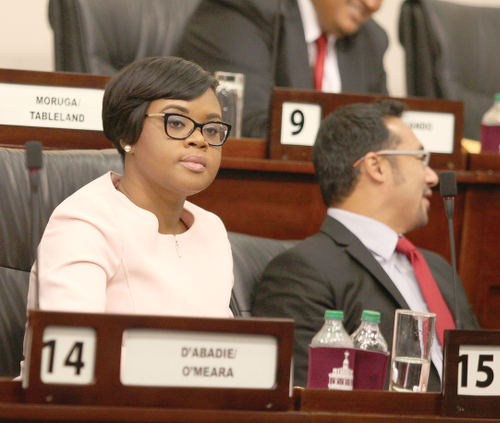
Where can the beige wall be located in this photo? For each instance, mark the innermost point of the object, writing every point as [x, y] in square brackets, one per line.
[26, 40]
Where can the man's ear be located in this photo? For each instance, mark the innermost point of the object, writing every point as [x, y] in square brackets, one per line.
[375, 167]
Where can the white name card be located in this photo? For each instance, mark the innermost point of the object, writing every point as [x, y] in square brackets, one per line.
[479, 370]
[51, 106]
[435, 130]
[299, 123]
[157, 357]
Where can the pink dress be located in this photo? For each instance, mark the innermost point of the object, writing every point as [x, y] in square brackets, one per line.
[102, 253]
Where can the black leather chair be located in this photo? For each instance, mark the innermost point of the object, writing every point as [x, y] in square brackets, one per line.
[451, 53]
[63, 173]
[102, 36]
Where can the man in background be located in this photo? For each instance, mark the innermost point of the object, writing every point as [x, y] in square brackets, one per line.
[375, 178]
[329, 45]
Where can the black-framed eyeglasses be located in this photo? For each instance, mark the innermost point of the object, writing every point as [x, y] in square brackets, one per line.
[423, 155]
[180, 127]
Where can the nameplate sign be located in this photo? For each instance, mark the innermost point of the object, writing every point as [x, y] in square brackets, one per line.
[299, 123]
[109, 359]
[472, 373]
[216, 360]
[296, 117]
[51, 106]
[435, 130]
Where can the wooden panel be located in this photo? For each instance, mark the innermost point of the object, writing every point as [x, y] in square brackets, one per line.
[311, 406]
[479, 264]
[480, 260]
[107, 388]
[471, 406]
[271, 204]
[329, 102]
[11, 413]
[370, 402]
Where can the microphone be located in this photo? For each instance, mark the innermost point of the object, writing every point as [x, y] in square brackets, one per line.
[448, 190]
[34, 162]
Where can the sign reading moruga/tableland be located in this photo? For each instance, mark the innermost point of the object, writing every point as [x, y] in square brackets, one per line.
[51, 106]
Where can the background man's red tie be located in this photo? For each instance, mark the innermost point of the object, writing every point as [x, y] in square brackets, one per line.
[320, 61]
[432, 294]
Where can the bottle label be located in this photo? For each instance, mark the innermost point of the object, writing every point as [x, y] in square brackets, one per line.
[490, 138]
[346, 368]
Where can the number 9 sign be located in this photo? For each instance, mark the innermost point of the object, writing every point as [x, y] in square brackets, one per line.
[299, 123]
[68, 355]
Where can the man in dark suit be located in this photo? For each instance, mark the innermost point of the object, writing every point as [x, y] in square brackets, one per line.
[375, 179]
[273, 43]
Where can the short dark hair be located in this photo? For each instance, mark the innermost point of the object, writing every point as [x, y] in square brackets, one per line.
[346, 135]
[129, 93]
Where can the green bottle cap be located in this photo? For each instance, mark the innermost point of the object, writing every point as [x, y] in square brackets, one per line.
[334, 314]
[497, 96]
[370, 316]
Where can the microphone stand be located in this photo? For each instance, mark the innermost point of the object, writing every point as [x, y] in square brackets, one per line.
[448, 190]
[449, 202]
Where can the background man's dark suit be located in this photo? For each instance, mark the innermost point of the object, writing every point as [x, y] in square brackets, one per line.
[334, 270]
[237, 36]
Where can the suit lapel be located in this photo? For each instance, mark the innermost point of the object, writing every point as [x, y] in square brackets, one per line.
[351, 71]
[293, 67]
[342, 236]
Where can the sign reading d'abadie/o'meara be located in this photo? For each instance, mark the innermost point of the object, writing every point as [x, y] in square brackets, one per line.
[154, 357]
[51, 106]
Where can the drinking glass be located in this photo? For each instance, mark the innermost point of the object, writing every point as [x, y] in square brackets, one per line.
[411, 350]
[230, 94]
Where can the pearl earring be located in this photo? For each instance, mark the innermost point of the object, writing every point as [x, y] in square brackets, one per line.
[127, 148]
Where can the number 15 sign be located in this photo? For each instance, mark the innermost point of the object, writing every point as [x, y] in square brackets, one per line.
[472, 373]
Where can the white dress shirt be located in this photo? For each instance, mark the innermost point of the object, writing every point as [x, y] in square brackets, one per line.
[381, 240]
[331, 75]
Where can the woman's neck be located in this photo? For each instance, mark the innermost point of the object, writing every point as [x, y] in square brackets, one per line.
[167, 208]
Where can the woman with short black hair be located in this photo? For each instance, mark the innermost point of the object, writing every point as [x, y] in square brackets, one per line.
[131, 243]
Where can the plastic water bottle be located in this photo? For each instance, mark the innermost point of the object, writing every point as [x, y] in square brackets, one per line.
[368, 336]
[490, 128]
[333, 333]
[329, 364]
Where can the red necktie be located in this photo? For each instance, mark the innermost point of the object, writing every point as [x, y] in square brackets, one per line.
[428, 286]
[320, 61]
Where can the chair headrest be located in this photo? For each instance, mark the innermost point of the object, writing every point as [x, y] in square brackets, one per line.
[62, 174]
[101, 37]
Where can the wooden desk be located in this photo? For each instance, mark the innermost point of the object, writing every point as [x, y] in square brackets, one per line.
[479, 264]
[306, 406]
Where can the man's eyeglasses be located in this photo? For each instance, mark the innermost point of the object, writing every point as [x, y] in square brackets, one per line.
[180, 127]
[422, 155]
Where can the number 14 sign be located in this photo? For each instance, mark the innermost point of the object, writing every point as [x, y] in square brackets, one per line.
[68, 355]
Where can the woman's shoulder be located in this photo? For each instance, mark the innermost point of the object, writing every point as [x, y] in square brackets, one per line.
[204, 218]
[200, 212]
[92, 197]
